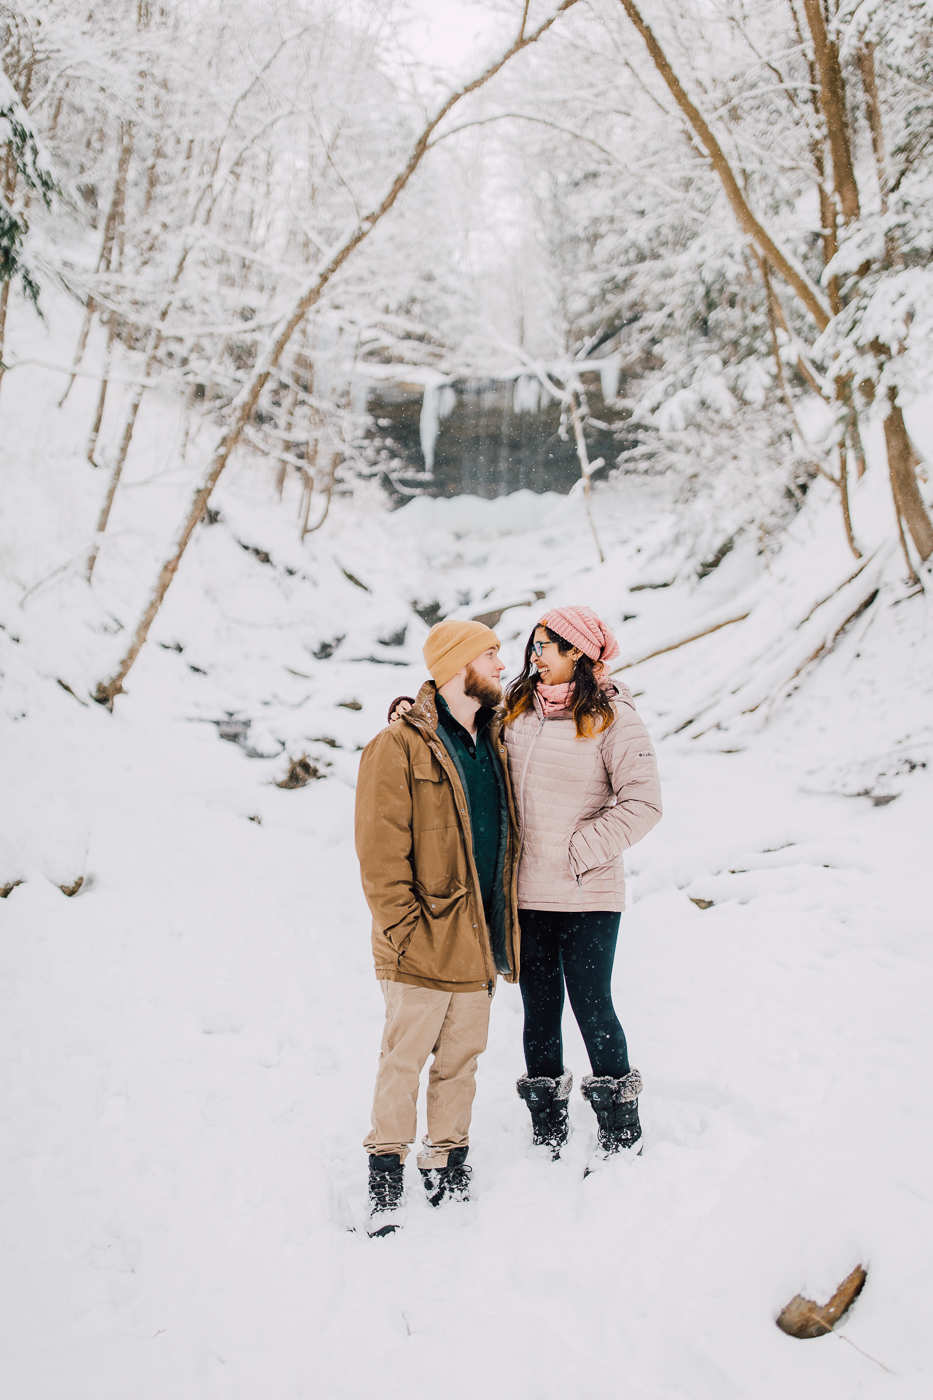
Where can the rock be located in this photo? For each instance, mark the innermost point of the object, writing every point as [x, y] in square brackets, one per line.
[301, 771]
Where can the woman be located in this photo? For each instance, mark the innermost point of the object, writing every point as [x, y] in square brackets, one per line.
[586, 788]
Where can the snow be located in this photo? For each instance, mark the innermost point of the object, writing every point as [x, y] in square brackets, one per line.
[189, 1042]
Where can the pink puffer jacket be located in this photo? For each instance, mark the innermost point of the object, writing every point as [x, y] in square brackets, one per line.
[581, 803]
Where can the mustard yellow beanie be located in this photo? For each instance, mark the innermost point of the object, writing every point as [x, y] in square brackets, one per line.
[450, 646]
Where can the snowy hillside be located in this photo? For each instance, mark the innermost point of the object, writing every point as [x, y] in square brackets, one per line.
[189, 1040]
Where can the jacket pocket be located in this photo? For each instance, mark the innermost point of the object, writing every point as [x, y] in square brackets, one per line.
[583, 862]
[444, 945]
[439, 906]
[433, 807]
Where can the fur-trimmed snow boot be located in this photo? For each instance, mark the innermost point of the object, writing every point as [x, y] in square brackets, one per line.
[547, 1104]
[615, 1103]
[386, 1184]
[450, 1183]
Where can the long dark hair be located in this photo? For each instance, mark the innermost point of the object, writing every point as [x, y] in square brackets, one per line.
[589, 704]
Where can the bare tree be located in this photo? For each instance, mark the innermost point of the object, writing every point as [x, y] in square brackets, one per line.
[833, 108]
[331, 262]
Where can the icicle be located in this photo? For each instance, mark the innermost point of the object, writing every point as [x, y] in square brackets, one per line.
[609, 370]
[527, 393]
[439, 402]
[359, 395]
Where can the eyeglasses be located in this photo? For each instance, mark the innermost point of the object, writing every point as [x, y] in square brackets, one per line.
[538, 647]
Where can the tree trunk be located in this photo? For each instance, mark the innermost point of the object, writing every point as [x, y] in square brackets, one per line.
[115, 475]
[770, 300]
[330, 473]
[843, 485]
[828, 210]
[102, 397]
[113, 221]
[246, 401]
[833, 104]
[804, 368]
[902, 462]
[866, 65]
[289, 423]
[844, 398]
[98, 415]
[855, 440]
[307, 474]
[4, 302]
[911, 571]
[866, 68]
[830, 238]
[585, 468]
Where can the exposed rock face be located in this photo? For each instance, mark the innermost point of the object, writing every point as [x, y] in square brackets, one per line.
[487, 437]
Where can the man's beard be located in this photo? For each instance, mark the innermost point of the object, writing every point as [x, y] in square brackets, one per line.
[481, 688]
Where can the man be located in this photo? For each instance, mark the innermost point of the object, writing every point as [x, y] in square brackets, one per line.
[436, 841]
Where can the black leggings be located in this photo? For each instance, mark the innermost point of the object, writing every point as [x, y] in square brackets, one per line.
[578, 949]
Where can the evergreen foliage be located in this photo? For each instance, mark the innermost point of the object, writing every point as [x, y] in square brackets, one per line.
[23, 158]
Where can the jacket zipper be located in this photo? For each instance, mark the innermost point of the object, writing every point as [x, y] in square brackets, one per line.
[469, 853]
[511, 813]
[527, 759]
[521, 801]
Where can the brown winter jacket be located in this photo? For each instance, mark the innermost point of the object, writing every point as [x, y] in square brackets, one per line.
[581, 804]
[415, 849]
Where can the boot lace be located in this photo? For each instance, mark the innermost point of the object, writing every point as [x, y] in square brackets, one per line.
[385, 1190]
[447, 1183]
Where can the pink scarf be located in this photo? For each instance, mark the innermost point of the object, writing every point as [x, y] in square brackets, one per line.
[555, 698]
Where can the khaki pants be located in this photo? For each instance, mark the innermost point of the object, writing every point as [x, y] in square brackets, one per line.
[420, 1021]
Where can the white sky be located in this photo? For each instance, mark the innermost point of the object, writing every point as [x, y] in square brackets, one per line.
[450, 34]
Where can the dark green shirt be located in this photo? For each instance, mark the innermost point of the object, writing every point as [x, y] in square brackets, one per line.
[476, 762]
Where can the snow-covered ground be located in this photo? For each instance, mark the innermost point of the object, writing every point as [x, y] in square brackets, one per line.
[189, 1041]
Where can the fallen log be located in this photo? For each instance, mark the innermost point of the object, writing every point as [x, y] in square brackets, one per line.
[673, 646]
[811, 639]
[803, 1318]
[493, 617]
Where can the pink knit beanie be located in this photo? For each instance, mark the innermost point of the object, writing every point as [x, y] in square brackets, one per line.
[583, 628]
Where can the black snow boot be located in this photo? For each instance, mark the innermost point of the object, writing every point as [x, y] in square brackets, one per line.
[386, 1183]
[547, 1104]
[450, 1183]
[615, 1103]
